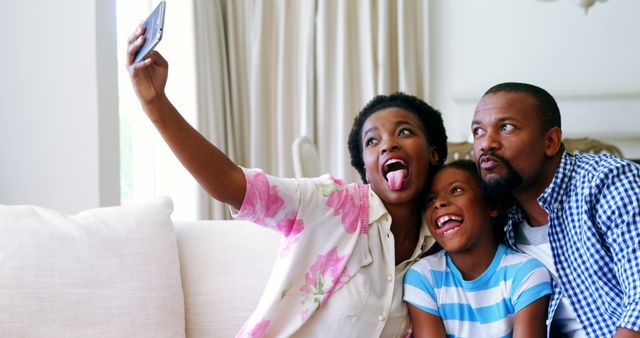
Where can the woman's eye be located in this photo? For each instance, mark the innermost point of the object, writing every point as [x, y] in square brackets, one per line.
[404, 131]
[369, 142]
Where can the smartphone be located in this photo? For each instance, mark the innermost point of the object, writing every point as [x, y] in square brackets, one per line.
[153, 27]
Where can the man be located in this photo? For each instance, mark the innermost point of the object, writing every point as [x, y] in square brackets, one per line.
[578, 214]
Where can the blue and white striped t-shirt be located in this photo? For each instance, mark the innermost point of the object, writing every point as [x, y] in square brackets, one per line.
[483, 307]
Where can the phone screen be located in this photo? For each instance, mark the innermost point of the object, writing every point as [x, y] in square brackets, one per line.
[153, 27]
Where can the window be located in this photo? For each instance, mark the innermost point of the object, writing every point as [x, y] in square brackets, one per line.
[148, 167]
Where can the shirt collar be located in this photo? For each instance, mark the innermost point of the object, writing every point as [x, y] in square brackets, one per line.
[377, 212]
[552, 195]
[550, 198]
[425, 240]
[376, 207]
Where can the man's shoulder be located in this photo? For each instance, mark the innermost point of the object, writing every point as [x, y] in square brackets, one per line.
[603, 169]
[595, 163]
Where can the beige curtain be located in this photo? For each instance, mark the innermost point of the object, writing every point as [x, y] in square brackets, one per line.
[271, 70]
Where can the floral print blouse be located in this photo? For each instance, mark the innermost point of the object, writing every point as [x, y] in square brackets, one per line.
[335, 273]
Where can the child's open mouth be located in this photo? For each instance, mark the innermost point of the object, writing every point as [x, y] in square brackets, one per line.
[446, 224]
[395, 171]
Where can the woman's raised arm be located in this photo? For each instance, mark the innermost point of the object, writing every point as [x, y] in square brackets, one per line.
[213, 170]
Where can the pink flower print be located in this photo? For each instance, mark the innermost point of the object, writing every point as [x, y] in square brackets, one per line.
[322, 279]
[344, 203]
[305, 314]
[290, 227]
[257, 331]
[262, 201]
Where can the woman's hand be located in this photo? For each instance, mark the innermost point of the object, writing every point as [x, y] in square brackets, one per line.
[215, 172]
[148, 76]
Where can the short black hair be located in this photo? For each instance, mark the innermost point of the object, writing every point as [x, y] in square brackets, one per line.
[467, 165]
[548, 111]
[430, 118]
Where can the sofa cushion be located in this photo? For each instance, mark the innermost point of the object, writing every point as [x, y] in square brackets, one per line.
[107, 272]
[225, 267]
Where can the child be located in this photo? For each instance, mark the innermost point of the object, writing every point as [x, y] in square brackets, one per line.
[475, 287]
[345, 247]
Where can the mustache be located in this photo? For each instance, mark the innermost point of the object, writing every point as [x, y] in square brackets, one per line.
[494, 156]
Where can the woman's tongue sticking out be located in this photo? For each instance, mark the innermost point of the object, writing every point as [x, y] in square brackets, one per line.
[396, 179]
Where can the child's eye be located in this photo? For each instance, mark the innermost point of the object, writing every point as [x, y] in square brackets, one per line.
[456, 190]
[429, 199]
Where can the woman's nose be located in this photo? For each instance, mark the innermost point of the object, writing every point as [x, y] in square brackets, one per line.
[389, 145]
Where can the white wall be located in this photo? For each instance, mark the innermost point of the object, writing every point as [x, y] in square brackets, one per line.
[590, 63]
[58, 104]
[58, 92]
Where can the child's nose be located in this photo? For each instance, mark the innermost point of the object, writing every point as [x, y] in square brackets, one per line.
[441, 203]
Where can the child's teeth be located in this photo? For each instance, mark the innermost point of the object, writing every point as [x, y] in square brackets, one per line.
[450, 230]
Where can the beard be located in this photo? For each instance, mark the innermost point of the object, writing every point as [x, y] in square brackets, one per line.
[501, 186]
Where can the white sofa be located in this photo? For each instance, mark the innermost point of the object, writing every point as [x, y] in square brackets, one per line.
[224, 267]
[128, 272]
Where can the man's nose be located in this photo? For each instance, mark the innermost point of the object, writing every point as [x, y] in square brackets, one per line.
[489, 142]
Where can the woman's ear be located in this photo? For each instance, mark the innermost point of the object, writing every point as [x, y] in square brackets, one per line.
[433, 156]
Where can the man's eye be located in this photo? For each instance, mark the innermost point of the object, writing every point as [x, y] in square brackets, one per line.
[507, 127]
[477, 131]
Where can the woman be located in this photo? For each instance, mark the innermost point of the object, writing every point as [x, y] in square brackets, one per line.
[346, 246]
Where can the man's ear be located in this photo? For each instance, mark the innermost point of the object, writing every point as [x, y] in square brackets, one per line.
[494, 213]
[553, 141]
[433, 156]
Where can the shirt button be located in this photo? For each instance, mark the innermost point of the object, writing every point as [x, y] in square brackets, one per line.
[548, 322]
[506, 228]
[380, 317]
[389, 278]
[388, 235]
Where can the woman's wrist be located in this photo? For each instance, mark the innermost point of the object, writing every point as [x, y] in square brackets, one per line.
[157, 107]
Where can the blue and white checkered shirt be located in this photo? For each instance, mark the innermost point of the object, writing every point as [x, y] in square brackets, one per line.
[594, 231]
